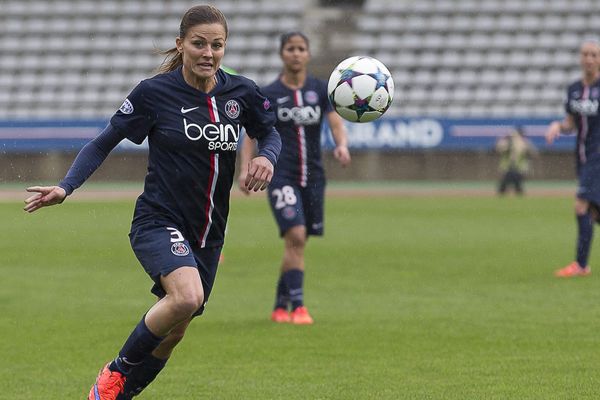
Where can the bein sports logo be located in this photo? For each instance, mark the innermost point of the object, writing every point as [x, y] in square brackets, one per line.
[584, 107]
[218, 136]
[307, 115]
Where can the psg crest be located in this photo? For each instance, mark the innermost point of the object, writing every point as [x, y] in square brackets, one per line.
[232, 109]
[180, 249]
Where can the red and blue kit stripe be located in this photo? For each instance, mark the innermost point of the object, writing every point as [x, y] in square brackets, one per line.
[301, 137]
[213, 176]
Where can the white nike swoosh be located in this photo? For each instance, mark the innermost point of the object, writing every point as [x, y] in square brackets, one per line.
[283, 99]
[187, 110]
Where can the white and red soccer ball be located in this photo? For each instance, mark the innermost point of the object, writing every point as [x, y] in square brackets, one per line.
[360, 89]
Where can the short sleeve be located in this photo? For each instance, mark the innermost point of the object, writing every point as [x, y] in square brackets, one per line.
[567, 103]
[568, 107]
[260, 117]
[135, 118]
[327, 106]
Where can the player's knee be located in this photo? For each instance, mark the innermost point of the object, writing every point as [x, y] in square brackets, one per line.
[295, 238]
[188, 302]
[581, 207]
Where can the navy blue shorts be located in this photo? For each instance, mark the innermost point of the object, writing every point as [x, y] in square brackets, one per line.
[161, 249]
[589, 180]
[293, 205]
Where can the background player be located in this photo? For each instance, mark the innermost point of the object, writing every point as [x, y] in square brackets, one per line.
[515, 151]
[297, 191]
[192, 115]
[582, 116]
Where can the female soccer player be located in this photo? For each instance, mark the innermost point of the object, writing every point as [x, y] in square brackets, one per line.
[582, 116]
[297, 191]
[192, 114]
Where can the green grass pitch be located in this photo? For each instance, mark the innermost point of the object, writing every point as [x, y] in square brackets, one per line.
[413, 298]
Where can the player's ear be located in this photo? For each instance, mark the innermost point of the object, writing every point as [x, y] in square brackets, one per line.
[179, 44]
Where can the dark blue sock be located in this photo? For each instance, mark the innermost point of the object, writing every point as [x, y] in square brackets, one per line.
[282, 297]
[294, 280]
[138, 346]
[142, 375]
[584, 238]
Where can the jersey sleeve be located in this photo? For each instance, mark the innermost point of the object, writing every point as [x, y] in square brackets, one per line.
[135, 118]
[259, 117]
[327, 106]
[568, 109]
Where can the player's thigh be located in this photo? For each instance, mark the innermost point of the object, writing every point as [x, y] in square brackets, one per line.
[286, 204]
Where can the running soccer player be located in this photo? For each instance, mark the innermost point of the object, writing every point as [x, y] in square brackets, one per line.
[192, 114]
[297, 191]
[582, 116]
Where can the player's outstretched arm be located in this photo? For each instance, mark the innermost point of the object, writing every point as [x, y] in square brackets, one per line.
[338, 131]
[87, 161]
[44, 196]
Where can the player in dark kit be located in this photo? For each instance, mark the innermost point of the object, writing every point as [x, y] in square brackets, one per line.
[192, 114]
[297, 191]
[581, 106]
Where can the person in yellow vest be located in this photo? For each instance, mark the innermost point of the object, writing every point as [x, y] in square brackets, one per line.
[515, 153]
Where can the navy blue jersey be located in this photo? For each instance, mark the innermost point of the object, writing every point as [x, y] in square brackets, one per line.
[582, 104]
[192, 139]
[299, 114]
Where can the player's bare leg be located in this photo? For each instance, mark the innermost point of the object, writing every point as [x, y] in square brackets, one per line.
[185, 296]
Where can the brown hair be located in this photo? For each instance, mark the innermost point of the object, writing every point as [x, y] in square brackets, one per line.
[198, 15]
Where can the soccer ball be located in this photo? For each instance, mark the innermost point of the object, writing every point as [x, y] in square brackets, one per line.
[360, 89]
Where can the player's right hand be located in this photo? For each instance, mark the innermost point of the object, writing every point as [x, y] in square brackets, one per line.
[260, 172]
[44, 196]
[553, 132]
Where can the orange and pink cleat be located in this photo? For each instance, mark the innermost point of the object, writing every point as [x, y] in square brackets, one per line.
[573, 269]
[300, 316]
[108, 386]
[280, 315]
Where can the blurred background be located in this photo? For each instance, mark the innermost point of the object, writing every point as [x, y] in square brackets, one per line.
[467, 72]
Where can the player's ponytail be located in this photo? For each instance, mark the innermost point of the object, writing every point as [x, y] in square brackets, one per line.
[198, 15]
[173, 60]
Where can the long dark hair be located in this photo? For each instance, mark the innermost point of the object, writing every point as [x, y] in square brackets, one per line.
[197, 15]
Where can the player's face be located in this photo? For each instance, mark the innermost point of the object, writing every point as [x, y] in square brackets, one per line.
[202, 48]
[295, 54]
[590, 58]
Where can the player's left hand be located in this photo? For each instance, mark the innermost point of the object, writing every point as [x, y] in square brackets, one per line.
[260, 173]
[44, 196]
[342, 154]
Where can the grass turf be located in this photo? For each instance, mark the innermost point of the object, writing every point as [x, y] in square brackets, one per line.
[414, 298]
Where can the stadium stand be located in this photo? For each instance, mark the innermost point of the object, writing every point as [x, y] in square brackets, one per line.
[477, 58]
[471, 58]
[79, 59]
